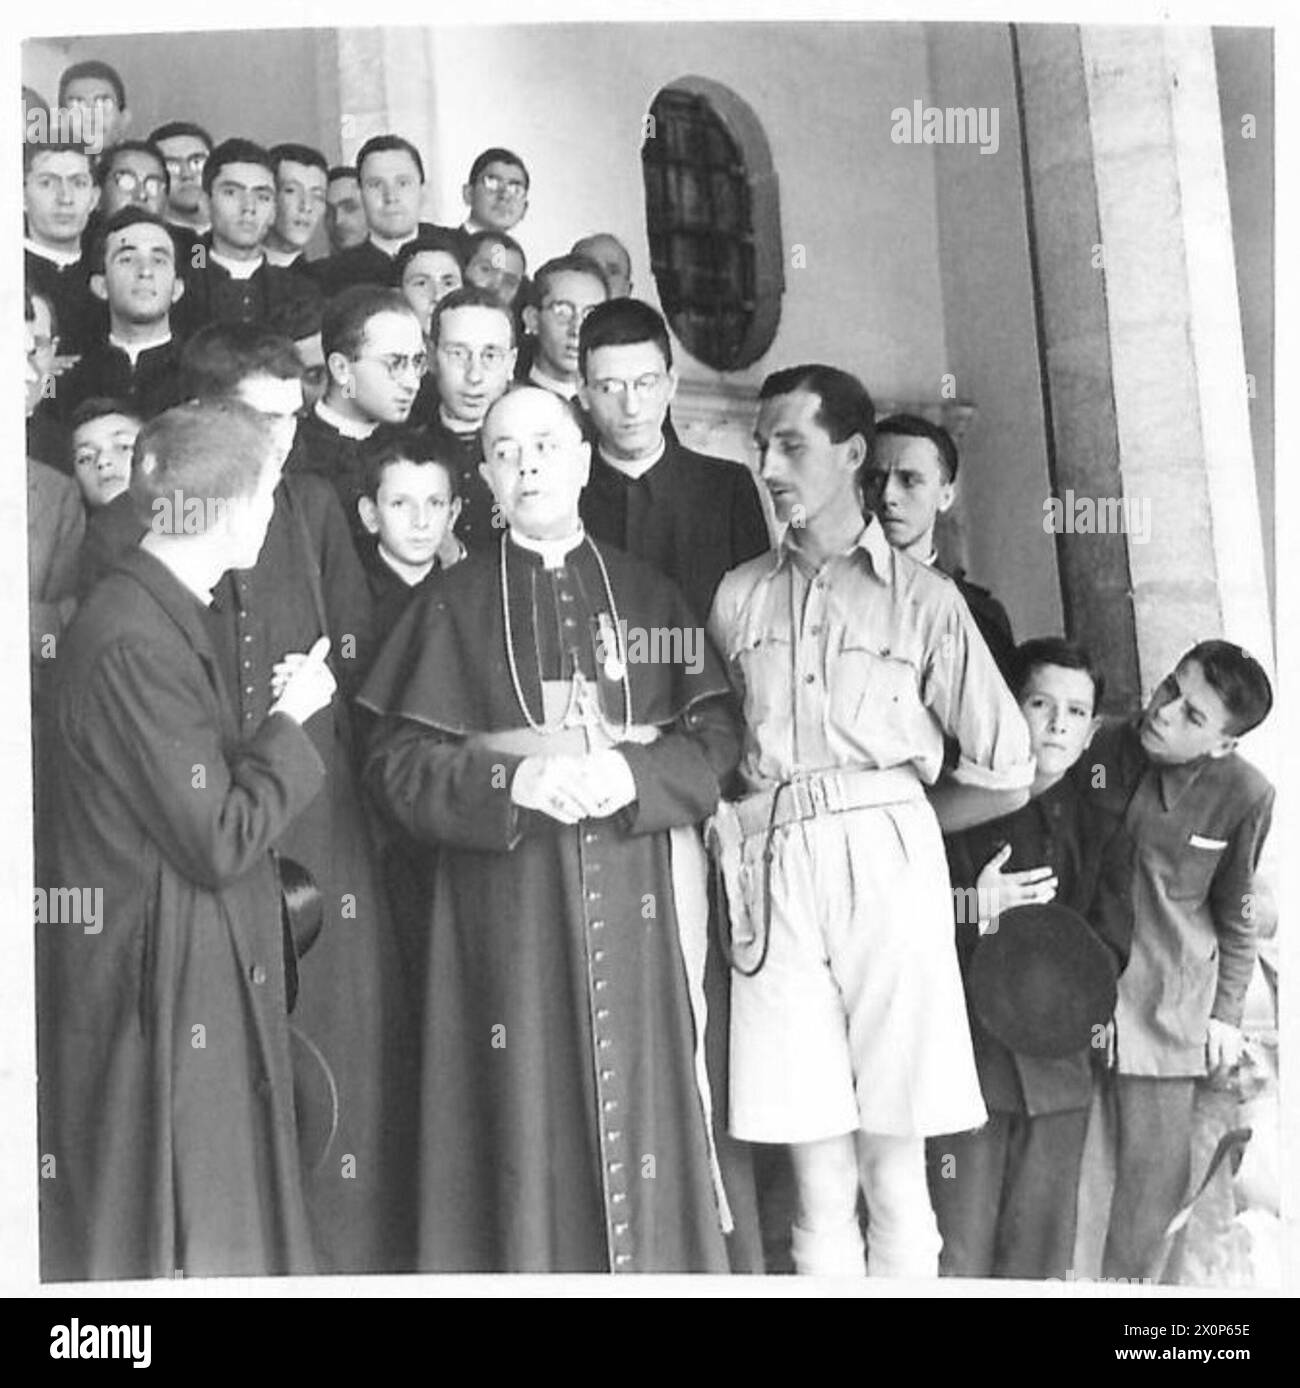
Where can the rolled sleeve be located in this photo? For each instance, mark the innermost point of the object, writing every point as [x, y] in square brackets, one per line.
[967, 694]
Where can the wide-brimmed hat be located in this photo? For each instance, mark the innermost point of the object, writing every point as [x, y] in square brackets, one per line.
[1042, 982]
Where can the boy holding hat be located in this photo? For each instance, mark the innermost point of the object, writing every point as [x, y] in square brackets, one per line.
[1005, 1193]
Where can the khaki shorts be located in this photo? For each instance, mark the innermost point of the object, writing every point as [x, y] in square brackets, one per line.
[857, 1019]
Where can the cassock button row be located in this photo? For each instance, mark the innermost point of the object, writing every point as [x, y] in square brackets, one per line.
[621, 1227]
[601, 984]
[602, 1014]
[607, 1075]
[604, 1043]
[619, 1197]
[589, 837]
[249, 690]
[615, 1167]
[598, 925]
[258, 974]
[622, 1259]
[597, 956]
[610, 1105]
[810, 679]
[614, 1134]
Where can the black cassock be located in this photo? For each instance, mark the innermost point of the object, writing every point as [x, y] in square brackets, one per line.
[562, 1123]
[166, 1105]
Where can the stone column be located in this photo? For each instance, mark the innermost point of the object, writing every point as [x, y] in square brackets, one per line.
[1141, 342]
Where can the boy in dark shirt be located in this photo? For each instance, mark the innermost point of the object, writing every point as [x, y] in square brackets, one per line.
[1005, 1194]
[1198, 815]
[409, 504]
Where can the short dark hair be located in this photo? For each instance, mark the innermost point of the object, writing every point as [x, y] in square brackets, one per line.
[99, 407]
[388, 446]
[912, 426]
[381, 144]
[343, 324]
[469, 296]
[124, 217]
[1055, 650]
[1238, 679]
[621, 323]
[496, 155]
[171, 129]
[566, 264]
[33, 149]
[93, 67]
[210, 450]
[436, 239]
[298, 154]
[493, 238]
[846, 407]
[104, 164]
[236, 150]
[220, 357]
[341, 171]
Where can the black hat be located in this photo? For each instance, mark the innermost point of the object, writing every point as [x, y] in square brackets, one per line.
[1042, 981]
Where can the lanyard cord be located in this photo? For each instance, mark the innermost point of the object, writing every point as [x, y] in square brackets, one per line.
[550, 728]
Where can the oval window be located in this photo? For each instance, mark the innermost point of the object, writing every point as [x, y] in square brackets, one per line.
[713, 222]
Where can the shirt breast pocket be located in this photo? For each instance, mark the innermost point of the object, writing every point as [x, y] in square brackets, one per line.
[763, 665]
[867, 682]
[1192, 871]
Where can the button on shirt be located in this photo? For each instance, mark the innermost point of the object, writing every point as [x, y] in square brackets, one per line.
[865, 662]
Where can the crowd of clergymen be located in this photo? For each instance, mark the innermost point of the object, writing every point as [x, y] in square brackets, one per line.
[412, 953]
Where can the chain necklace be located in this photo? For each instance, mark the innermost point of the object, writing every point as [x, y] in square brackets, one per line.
[579, 679]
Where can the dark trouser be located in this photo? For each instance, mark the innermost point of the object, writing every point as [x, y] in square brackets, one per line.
[1153, 1135]
[1005, 1195]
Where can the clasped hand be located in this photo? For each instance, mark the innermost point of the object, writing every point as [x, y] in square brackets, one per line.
[574, 788]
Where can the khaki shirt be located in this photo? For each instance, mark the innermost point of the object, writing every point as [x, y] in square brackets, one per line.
[870, 661]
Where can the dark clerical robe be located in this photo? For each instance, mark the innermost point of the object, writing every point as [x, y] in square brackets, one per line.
[320, 449]
[479, 524]
[80, 317]
[563, 1127]
[692, 516]
[352, 1002]
[146, 386]
[282, 300]
[166, 1103]
[363, 264]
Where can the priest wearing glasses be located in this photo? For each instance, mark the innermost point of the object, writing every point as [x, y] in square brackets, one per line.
[558, 781]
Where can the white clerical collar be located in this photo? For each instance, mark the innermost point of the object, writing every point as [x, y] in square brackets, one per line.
[634, 467]
[238, 269]
[538, 377]
[553, 552]
[389, 246]
[455, 426]
[410, 574]
[281, 259]
[62, 259]
[134, 349]
[341, 424]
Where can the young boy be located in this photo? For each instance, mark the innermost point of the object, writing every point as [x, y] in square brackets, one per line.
[166, 1103]
[1005, 1194]
[1198, 815]
[409, 504]
[103, 434]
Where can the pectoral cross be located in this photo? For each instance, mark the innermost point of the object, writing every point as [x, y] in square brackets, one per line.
[585, 712]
